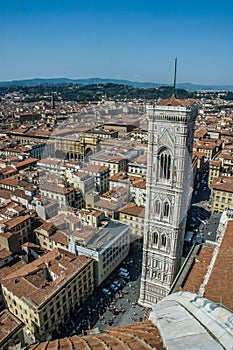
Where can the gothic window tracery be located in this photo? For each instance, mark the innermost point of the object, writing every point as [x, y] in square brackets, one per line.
[157, 207]
[166, 209]
[165, 164]
[155, 238]
[163, 240]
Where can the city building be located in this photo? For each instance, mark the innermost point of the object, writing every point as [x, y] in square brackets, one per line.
[45, 292]
[122, 128]
[209, 147]
[222, 194]
[49, 237]
[101, 174]
[138, 165]
[45, 208]
[16, 230]
[182, 320]
[135, 183]
[169, 178]
[134, 215]
[221, 165]
[110, 202]
[114, 161]
[108, 247]
[92, 217]
[85, 182]
[63, 193]
[11, 331]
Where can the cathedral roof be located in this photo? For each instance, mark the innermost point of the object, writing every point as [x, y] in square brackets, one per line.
[182, 320]
[189, 321]
[138, 336]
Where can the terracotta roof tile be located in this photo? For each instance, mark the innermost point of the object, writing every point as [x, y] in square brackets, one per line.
[139, 336]
[9, 323]
[173, 101]
[220, 284]
[224, 183]
[199, 269]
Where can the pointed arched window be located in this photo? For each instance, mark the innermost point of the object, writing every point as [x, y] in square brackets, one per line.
[166, 209]
[163, 240]
[155, 238]
[165, 164]
[157, 207]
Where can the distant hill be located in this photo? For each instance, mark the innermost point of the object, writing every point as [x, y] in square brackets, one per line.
[90, 81]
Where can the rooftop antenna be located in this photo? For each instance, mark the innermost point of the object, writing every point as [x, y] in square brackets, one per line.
[174, 87]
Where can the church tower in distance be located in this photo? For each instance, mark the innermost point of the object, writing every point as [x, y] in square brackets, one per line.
[169, 181]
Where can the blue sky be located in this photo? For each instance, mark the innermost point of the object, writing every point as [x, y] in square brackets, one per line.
[122, 39]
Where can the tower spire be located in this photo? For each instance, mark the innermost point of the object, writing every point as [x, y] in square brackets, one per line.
[174, 87]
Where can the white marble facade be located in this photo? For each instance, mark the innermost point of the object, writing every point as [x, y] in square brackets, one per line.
[169, 181]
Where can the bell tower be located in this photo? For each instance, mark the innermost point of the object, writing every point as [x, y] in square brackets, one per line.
[169, 180]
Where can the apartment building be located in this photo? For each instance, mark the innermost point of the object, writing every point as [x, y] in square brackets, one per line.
[135, 183]
[138, 165]
[22, 163]
[122, 128]
[92, 217]
[110, 201]
[6, 257]
[17, 182]
[115, 162]
[103, 133]
[45, 208]
[16, 230]
[222, 194]
[221, 165]
[7, 171]
[49, 237]
[134, 215]
[214, 171]
[63, 193]
[85, 182]
[208, 147]
[52, 165]
[101, 175]
[11, 331]
[44, 293]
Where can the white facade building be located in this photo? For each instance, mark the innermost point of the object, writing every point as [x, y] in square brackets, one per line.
[108, 247]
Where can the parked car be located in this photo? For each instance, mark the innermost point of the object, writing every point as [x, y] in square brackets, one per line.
[198, 240]
[114, 287]
[117, 283]
[125, 275]
[106, 291]
[123, 270]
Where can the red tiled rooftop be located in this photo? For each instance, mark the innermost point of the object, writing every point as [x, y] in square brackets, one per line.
[173, 101]
[140, 336]
[224, 183]
[133, 209]
[220, 284]
[199, 269]
[9, 323]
